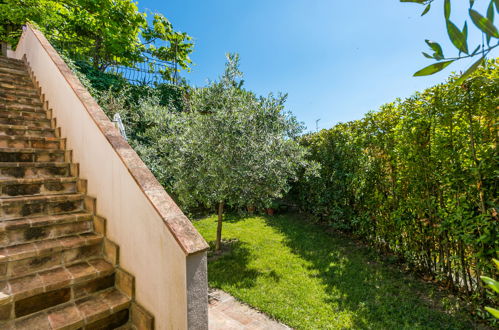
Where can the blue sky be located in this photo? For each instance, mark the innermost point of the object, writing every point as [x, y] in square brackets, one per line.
[336, 59]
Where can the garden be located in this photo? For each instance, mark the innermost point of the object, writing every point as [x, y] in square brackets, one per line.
[311, 278]
[389, 221]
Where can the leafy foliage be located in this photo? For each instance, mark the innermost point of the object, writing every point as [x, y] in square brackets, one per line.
[145, 112]
[419, 178]
[218, 145]
[231, 147]
[100, 81]
[234, 147]
[113, 85]
[15, 13]
[104, 33]
[142, 108]
[459, 38]
[494, 285]
[176, 50]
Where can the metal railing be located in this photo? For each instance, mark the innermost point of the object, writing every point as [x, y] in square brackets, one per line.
[148, 72]
[145, 71]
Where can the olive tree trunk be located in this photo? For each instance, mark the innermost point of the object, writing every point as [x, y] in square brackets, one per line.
[218, 243]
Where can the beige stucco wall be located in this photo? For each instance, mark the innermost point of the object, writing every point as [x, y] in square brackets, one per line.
[151, 248]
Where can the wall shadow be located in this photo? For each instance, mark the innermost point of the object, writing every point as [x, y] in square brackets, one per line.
[232, 267]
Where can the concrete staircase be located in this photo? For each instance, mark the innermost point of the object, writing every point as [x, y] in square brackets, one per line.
[57, 268]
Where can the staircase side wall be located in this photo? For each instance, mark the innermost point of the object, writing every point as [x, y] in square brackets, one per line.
[158, 244]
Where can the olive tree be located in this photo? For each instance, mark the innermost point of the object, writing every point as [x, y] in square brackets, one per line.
[233, 148]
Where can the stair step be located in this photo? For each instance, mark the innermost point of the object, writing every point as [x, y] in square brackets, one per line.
[28, 112]
[31, 93]
[14, 70]
[54, 273]
[34, 170]
[14, 86]
[34, 122]
[24, 259]
[21, 66]
[6, 98]
[19, 81]
[23, 115]
[107, 309]
[18, 207]
[7, 75]
[27, 100]
[15, 77]
[11, 61]
[12, 106]
[38, 186]
[22, 130]
[34, 292]
[26, 230]
[32, 155]
[44, 247]
[31, 142]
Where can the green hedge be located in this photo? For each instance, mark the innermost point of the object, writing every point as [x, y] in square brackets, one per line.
[419, 178]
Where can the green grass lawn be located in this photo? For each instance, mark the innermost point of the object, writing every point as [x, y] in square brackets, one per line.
[308, 279]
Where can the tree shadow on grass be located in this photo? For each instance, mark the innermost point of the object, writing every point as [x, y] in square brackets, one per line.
[234, 217]
[231, 268]
[379, 295]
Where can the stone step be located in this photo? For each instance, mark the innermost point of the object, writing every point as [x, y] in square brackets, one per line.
[15, 77]
[32, 142]
[18, 71]
[18, 207]
[27, 100]
[107, 309]
[8, 61]
[35, 292]
[25, 259]
[41, 122]
[20, 81]
[14, 70]
[24, 115]
[23, 130]
[26, 230]
[16, 99]
[11, 106]
[33, 155]
[32, 93]
[57, 271]
[19, 97]
[12, 86]
[44, 186]
[34, 170]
